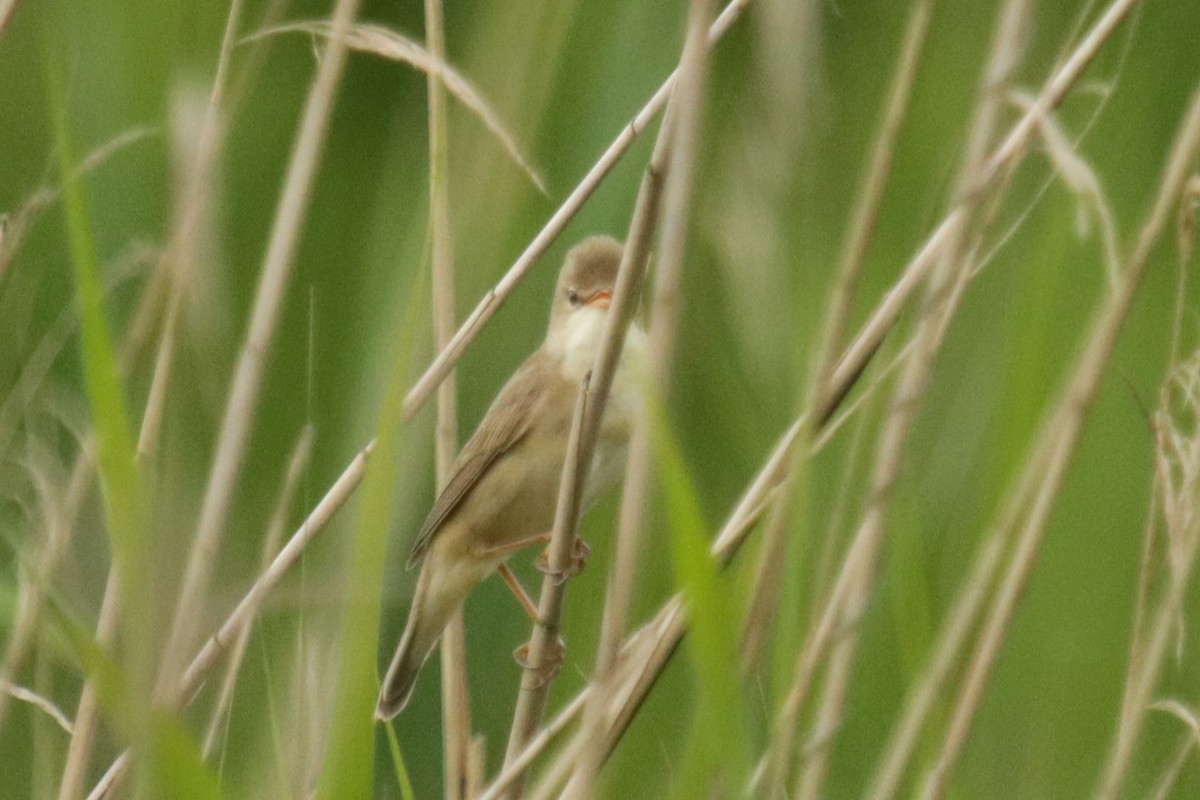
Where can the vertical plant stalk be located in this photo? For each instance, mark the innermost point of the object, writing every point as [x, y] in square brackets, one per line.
[1143, 677]
[534, 747]
[243, 396]
[865, 215]
[84, 729]
[192, 212]
[944, 293]
[687, 111]
[531, 703]
[31, 598]
[180, 256]
[1062, 433]
[535, 682]
[456, 710]
[767, 585]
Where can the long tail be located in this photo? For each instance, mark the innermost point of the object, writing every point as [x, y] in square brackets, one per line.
[441, 589]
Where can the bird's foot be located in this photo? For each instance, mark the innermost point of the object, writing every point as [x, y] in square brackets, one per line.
[580, 552]
[552, 661]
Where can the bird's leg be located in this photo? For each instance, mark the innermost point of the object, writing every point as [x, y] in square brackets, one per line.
[514, 585]
[552, 660]
[508, 548]
[580, 552]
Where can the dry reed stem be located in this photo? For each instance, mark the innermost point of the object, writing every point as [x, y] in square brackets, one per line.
[31, 599]
[553, 777]
[1170, 774]
[954, 632]
[763, 607]
[194, 207]
[687, 113]
[855, 359]
[395, 46]
[6, 13]
[38, 701]
[180, 253]
[768, 581]
[1062, 432]
[87, 712]
[243, 614]
[495, 297]
[535, 682]
[534, 747]
[243, 396]
[865, 215]
[297, 464]
[943, 294]
[1177, 452]
[456, 709]
[634, 257]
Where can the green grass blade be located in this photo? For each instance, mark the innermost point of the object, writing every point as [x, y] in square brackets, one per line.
[349, 767]
[124, 506]
[719, 742]
[171, 759]
[406, 790]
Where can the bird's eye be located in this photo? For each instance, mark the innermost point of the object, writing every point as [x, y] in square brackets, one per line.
[572, 297]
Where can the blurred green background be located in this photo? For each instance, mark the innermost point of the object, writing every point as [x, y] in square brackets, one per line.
[793, 106]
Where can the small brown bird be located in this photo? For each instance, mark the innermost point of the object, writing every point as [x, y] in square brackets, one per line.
[502, 495]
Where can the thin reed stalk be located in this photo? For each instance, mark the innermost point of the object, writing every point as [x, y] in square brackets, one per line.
[247, 380]
[855, 247]
[1062, 432]
[670, 628]
[687, 113]
[456, 709]
[634, 257]
[1174, 495]
[942, 298]
[535, 680]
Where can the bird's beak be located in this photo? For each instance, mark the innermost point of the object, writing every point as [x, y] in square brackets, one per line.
[601, 299]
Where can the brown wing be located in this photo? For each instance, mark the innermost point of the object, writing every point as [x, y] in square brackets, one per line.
[506, 423]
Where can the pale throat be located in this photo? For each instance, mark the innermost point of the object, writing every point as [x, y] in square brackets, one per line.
[576, 341]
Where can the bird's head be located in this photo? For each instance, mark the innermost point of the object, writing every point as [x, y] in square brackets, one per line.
[586, 283]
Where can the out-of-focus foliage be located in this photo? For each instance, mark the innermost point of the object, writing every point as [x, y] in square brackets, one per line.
[794, 102]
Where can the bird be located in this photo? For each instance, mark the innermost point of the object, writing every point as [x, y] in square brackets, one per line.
[502, 494]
